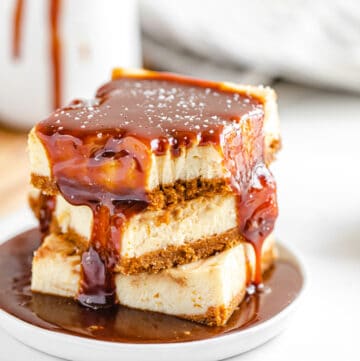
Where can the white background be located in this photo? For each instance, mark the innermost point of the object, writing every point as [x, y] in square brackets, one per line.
[318, 174]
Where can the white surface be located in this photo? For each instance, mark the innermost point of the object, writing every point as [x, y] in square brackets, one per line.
[318, 178]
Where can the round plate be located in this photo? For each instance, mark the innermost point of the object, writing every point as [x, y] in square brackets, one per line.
[85, 349]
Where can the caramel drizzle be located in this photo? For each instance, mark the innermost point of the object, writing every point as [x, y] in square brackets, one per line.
[97, 288]
[56, 50]
[97, 285]
[47, 206]
[254, 185]
[55, 44]
[256, 212]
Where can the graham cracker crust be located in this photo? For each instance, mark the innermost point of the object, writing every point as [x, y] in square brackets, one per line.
[161, 197]
[217, 315]
[45, 184]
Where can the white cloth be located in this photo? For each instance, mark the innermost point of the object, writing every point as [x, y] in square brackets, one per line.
[314, 42]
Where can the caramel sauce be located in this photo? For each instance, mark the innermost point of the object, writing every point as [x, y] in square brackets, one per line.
[282, 284]
[17, 30]
[46, 208]
[55, 43]
[100, 156]
[55, 50]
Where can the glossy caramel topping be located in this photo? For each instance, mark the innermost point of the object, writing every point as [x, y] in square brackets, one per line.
[100, 155]
[163, 107]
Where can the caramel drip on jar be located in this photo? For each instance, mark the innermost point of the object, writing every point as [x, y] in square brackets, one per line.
[17, 28]
[55, 51]
[55, 48]
[47, 206]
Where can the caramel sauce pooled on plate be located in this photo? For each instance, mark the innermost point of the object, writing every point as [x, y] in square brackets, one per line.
[100, 156]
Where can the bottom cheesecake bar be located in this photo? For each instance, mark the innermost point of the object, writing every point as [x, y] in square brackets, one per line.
[205, 291]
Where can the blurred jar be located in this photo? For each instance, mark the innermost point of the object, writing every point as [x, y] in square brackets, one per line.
[52, 51]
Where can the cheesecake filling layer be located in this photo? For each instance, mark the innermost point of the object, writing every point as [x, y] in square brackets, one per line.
[100, 154]
[205, 291]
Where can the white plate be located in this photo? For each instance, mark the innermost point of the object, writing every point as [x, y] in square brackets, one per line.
[83, 349]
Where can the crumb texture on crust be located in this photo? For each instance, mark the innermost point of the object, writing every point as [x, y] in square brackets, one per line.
[154, 262]
[161, 197]
[217, 315]
[172, 256]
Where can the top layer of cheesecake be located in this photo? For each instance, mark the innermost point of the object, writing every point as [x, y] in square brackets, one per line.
[146, 130]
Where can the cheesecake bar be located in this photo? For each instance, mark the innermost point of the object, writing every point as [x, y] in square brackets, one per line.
[177, 130]
[206, 291]
[157, 176]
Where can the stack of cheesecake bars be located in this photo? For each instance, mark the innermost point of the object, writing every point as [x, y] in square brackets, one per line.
[156, 195]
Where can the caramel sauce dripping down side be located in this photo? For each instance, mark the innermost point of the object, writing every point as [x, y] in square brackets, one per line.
[85, 181]
[254, 185]
[101, 154]
[46, 208]
[97, 288]
[54, 45]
